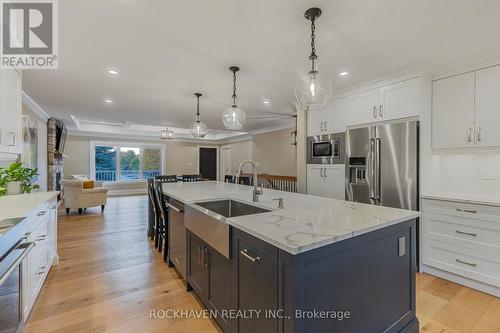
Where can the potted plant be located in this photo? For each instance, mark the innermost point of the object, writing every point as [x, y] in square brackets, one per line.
[16, 179]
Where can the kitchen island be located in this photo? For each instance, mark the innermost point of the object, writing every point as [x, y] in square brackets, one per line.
[315, 265]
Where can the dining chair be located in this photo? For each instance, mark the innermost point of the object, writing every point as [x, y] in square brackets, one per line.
[162, 230]
[191, 178]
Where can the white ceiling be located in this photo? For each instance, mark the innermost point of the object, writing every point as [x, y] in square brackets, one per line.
[166, 50]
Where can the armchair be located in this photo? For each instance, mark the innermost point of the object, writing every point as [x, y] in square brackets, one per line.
[76, 197]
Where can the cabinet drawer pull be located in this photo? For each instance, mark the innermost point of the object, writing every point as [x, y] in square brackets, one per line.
[40, 272]
[466, 233]
[249, 257]
[467, 210]
[469, 135]
[479, 134]
[465, 263]
[381, 111]
[199, 256]
[205, 257]
[374, 112]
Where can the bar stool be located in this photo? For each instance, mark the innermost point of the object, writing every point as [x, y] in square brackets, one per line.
[161, 232]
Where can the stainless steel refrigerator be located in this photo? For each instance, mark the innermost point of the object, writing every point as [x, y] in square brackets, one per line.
[382, 165]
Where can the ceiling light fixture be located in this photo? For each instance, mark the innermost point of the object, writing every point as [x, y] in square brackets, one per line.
[314, 92]
[234, 117]
[343, 73]
[266, 102]
[198, 129]
[108, 101]
[113, 72]
[167, 134]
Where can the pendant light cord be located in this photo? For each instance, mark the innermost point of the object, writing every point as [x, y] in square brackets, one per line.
[198, 107]
[234, 89]
[313, 55]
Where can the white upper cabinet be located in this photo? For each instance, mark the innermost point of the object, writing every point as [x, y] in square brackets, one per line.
[399, 100]
[329, 120]
[316, 122]
[466, 110]
[362, 108]
[337, 120]
[487, 110]
[453, 112]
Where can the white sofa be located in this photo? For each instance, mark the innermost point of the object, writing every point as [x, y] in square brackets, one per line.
[76, 197]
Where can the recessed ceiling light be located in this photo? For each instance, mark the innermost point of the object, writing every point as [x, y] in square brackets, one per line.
[108, 101]
[343, 73]
[113, 72]
[266, 102]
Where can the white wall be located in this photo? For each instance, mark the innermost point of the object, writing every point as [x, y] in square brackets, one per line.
[474, 173]
[272, 152]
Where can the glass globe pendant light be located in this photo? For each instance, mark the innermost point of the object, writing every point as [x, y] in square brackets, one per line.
[167, 134]
[198, 129]
[313, 92]
[234, 117]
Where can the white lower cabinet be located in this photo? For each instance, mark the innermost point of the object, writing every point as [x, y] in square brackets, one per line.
[42, 231]
[461, 243]
[326, 180]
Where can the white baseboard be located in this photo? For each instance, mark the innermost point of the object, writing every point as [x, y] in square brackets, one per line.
[486, 288]
[137, 191]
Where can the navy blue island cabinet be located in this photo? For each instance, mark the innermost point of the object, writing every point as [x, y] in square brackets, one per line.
[364, 284]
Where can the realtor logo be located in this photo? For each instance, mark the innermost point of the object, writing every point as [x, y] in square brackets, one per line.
[29, 34]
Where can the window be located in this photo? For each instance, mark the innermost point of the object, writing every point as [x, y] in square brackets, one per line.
[125, 162]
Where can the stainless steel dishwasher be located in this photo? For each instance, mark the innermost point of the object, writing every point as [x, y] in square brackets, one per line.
[177, 235]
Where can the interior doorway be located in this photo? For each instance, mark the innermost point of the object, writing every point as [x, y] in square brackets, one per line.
[208, 163]
[226, 167]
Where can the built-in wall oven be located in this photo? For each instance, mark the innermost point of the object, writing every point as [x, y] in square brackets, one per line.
[13, 251]
[326, 149]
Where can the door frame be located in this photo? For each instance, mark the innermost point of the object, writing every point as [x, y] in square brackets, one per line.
[228, 147]
[217, 156]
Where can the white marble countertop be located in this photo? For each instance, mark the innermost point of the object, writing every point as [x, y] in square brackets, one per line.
[307, 222]
[464, 198]
[21, 205]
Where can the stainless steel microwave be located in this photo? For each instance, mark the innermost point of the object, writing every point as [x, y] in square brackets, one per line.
[326, 149]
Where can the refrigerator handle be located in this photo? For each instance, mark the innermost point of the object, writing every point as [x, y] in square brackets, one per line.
[377, 170]
[371, 172]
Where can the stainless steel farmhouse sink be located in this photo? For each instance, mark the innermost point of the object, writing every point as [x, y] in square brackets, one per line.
[207, 220]
[231, 208]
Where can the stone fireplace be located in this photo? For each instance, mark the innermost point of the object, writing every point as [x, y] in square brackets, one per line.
[55, 160]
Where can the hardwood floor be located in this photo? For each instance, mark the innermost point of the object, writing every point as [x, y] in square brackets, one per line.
[110, 277]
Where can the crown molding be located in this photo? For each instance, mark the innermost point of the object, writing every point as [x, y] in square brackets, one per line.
[34, 106]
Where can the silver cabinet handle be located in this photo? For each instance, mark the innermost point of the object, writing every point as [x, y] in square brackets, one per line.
[324, 172]
[249, 257]
[469, 135]
[199, 256]
[465, 263]
[381, 110]
[41, 213]
[326, 125]
[466, 210]
[374, 112]
[466, 233]
[177, 210]
[205, 257]
[479, 134]
[27, 248]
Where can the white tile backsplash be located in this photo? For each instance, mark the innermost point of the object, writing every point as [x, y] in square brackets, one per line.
[475, 173]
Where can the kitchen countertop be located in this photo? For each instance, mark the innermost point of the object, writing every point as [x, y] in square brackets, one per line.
[464, 198]
[307, 222]
[14, 207]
